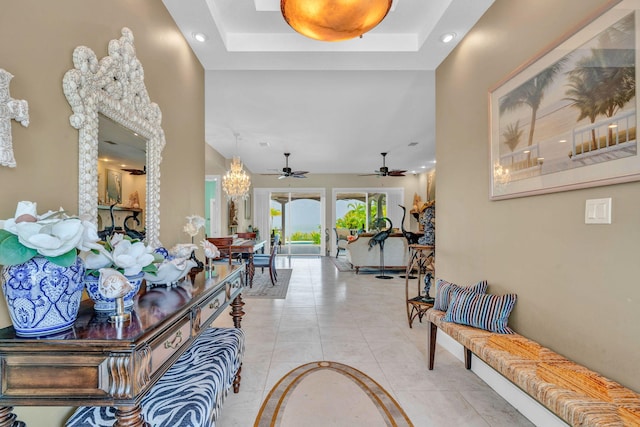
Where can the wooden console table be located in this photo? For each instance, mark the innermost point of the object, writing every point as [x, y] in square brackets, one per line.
[422, 260]
[97, 363]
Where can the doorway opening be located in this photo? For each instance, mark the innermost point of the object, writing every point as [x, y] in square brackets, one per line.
[298, 218]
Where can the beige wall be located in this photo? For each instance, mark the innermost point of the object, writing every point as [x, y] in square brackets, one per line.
[576, 284]
[38, 38]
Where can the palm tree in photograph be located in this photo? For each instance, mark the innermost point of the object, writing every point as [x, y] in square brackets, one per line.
[531, 93]
[583, 97]
[512, 135]
[603, 83]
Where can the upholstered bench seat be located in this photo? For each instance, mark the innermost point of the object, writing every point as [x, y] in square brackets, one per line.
[191, 392]
[574, 393]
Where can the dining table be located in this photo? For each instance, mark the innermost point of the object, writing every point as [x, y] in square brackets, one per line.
[248, 247]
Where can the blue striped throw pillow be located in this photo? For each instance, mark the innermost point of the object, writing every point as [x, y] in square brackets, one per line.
[445, 291]
[484, 311]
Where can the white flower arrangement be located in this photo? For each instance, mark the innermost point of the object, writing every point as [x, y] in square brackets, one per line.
[53, 235]
[120, 252]
[193, 225]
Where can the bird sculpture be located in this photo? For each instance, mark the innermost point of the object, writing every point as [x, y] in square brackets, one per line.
[378, 239]
[412, 238]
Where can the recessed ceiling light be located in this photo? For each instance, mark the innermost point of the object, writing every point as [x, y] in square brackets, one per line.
[446, 38]
[201, 37]
[264, 144]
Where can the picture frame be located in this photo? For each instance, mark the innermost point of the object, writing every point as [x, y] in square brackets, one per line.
[113, 191]
[247, 207]
[567, 118]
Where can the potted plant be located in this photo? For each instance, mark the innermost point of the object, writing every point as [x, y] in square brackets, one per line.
[42, 274]
[131, 257]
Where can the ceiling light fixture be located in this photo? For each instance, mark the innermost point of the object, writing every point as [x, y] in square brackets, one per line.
[236, 182]
[334, 20]
[201, 37]
[446, 38]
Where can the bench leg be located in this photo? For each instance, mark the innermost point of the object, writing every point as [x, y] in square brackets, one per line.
[236, 380]
[432, 344]
[467, 358]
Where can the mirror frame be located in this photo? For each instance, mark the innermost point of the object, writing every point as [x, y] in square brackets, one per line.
[114, 86]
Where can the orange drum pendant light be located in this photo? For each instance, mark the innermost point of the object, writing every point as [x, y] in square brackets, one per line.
[334, 20]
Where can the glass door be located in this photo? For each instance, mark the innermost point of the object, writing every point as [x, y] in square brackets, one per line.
[298, 218]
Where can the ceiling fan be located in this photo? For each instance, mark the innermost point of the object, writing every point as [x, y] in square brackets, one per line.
[287, 172]
[132, 171]
[384, 170]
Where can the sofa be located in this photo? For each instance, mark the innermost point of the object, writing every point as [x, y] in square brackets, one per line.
[396, 252]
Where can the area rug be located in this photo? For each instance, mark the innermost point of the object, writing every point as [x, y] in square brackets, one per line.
[341, 263]
[262, 287]
[320, 394]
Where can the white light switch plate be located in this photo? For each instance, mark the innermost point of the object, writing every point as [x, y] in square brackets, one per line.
[598, 211]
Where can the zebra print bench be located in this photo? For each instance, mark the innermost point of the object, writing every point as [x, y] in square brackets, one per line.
[191, 392]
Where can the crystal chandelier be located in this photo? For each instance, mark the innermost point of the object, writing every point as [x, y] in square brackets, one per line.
[236, 182]
[334, 20]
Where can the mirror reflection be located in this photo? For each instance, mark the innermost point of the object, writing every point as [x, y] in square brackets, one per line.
[121, 180]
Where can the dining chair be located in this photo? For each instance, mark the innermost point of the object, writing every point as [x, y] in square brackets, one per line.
[268, 261]
[223, 244]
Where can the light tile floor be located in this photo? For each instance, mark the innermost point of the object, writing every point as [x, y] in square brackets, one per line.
[360, 321]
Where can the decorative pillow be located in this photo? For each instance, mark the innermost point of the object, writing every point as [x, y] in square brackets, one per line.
[445, 291]
[488, 312]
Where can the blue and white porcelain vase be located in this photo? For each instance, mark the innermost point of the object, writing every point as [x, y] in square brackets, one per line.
[43, 298]
[101, 303]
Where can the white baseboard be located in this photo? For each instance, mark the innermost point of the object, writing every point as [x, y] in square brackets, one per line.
[525, 404]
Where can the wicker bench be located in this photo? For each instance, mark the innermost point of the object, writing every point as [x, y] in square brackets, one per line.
[577, 395]
[191, 392]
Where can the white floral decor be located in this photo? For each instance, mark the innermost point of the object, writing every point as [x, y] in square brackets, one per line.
[53, 235]
[193, 225]
[120, 252]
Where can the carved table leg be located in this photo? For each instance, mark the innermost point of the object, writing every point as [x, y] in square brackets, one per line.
[8, 418]
[236, 310]
[251, 269]
[130, 416]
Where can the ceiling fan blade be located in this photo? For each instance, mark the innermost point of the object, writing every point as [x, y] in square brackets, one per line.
[135, 171]
[396, 173]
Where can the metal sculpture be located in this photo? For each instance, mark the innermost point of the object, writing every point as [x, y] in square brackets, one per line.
[412, 238]
[379, 239]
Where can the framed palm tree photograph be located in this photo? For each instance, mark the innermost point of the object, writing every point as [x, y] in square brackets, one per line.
[567, 118]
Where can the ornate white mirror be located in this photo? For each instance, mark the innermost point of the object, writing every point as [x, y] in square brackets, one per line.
[114, 87]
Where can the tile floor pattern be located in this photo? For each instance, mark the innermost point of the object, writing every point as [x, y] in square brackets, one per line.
[360, 321]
